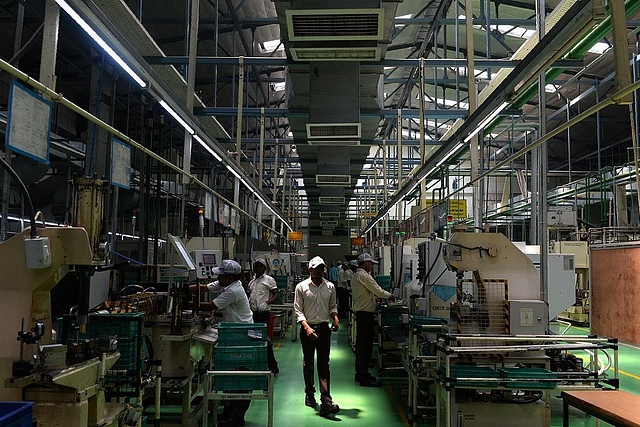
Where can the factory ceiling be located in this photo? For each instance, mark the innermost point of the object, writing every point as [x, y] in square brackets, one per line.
[337, 81]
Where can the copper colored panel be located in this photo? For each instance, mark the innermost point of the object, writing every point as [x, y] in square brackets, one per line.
[615, 293]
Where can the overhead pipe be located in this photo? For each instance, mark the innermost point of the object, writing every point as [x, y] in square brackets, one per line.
[59, 98]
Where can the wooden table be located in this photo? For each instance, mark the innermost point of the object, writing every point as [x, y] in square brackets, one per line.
[616, 407]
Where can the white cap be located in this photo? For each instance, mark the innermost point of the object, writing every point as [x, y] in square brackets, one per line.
[227, 267]
[262, 261]
[316, 262]
[366, 257]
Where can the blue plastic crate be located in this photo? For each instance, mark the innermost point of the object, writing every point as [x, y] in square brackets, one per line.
[242, 333]
[16, 414]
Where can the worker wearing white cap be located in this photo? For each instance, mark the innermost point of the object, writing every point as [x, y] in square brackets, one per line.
[263, 291]
[315, 308]
[364, 289]
[232, 301]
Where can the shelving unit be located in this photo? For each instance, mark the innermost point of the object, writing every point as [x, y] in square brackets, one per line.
[481, 377]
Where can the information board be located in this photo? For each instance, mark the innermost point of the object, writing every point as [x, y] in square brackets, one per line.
[120, 164]
[28, 123]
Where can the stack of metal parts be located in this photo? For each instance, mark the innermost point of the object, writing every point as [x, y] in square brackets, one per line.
[141, 302]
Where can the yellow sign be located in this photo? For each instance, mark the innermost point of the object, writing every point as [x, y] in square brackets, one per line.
[357, 241]
[458, 208]
[295, 236]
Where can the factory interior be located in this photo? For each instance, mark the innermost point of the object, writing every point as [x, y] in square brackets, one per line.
[484, 153]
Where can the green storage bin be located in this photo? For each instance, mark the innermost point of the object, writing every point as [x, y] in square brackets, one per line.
[230, 333]
[231, 383]
[529, 374]
[384, 281]
[240, 357]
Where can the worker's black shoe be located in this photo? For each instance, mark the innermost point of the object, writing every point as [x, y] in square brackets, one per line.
[370, 382]
[357, 378]
[328, 407]
[310, 400]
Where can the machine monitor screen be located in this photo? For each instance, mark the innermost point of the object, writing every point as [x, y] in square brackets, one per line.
[209, 259]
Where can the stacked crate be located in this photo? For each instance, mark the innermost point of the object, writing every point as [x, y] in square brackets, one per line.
[240, 347]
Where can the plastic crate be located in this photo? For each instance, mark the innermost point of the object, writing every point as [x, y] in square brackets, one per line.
[231, 383]
[242, 333]
[469, 371]
[530, 374]
[240, 357]
[124, 377]
[384, 281]
[16, 414]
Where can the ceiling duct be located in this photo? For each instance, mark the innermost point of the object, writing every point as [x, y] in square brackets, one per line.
[335, 54]
[329, 214]
[330, 200]
[329, 224]
[334, 180]
[333, 130]
[327, 232]
[339, 24]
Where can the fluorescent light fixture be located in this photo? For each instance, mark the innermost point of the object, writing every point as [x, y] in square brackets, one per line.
[87, 28]
[233, 171]
[329, 245]
[449, 154]
[177, 117]
[486, 121]
[206, 147]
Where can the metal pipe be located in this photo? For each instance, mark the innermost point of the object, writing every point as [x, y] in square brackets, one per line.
[59, 98]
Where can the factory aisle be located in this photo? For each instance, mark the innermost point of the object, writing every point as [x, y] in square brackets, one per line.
[359, 406]
[384, 406]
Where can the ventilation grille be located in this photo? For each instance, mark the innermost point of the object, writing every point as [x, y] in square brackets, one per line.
[331, 200]
[341, 24]
[334, 180]
[339, 142]
[335, 54]
[333, 131]
[329, 224]
[327, 233]
[329, 214]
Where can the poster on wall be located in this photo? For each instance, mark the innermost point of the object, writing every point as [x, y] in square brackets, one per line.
[120, 164]
[28, 123]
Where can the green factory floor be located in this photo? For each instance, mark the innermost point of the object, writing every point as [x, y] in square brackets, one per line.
[385, 406]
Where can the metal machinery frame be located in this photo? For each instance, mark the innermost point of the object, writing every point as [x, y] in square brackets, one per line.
[217, 396]
[510, 367]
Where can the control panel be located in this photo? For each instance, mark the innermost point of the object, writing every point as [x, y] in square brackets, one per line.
[205, 260]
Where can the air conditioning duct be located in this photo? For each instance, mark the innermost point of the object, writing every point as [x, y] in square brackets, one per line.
[334, 180]
[333, 131]
[329, 214]
[330, 200]
[329, 224]
[335, 24]
[335, 54]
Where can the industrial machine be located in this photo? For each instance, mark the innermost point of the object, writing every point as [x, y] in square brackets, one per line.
[499, 357]
[33, 367]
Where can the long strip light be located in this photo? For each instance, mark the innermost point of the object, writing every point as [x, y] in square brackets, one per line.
[103, 44]
[237, 175]
[486, 121]
[177, 117]
[329, 245]
[206, 147]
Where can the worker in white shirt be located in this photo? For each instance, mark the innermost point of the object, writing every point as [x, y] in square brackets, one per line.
[263, 291]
